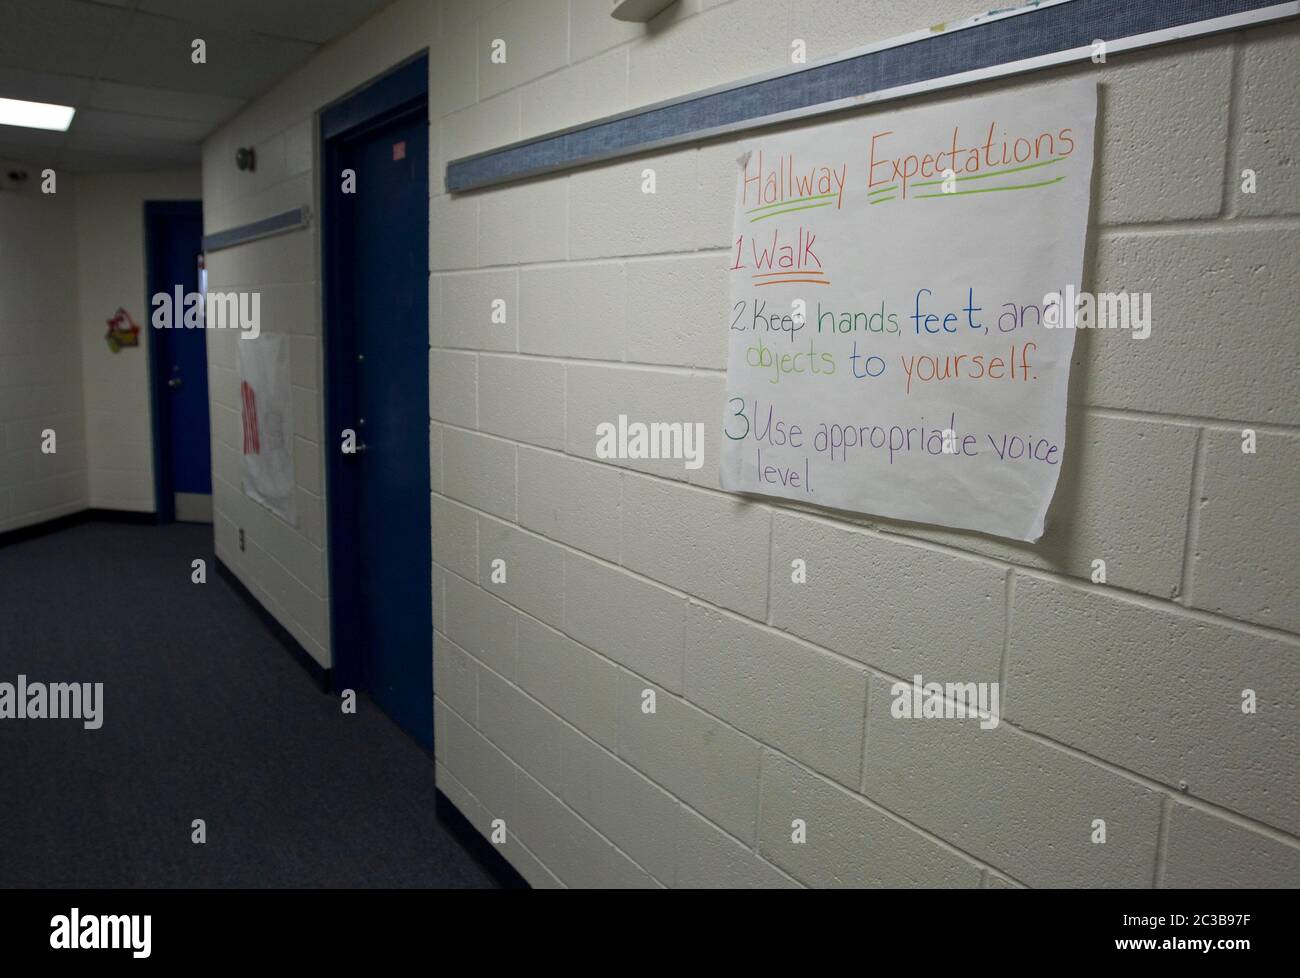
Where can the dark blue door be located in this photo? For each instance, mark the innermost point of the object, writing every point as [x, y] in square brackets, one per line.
[180, 357]
[385, 254]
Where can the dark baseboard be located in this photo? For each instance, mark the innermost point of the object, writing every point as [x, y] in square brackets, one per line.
[10, 537]
[485, 853]
[319, 674]
[120, 516]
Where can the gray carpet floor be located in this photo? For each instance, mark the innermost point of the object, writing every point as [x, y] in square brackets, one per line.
[206, 716]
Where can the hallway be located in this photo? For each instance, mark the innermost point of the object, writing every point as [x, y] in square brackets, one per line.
[206, 716]
[721, 443]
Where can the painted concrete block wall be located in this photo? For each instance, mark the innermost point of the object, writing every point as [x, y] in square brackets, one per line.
[40, 356]
[111, 274]
[1121, 701]
[773, 698]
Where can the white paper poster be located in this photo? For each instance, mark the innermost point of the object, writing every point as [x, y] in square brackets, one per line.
[266, 409]
[888, 351]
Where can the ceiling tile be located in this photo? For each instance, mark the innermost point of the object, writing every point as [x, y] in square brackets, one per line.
[63, 36]
[39, 86]
[42, 139]
[139, 100]
[155, 52]
[125, 65]
[308, 20]
[139, 126]
[78, 161]
[35, 147]
[111, 144]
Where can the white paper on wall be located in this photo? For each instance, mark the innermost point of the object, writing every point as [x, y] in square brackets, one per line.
[886, 348]
[266, 409]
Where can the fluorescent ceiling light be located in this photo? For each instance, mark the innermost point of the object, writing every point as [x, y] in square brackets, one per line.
[35, 115]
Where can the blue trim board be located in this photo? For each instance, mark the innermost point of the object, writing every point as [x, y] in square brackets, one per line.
[407, 82]
[267, 226]
[1005, 38]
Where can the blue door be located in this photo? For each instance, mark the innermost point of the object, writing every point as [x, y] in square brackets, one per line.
[381, 235]
[180, 366]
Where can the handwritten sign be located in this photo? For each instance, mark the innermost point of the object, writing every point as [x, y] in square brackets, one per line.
[889, 352]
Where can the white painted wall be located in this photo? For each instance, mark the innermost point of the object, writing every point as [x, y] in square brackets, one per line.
[40, 355]
[111, 273]
[773, 698]
[70, 259]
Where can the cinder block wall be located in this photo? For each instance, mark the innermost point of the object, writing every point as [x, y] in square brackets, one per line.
[1121, 701]
[40, 355]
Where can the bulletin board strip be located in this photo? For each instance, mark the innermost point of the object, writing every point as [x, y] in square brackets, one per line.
[277, 224]
[996, 44]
